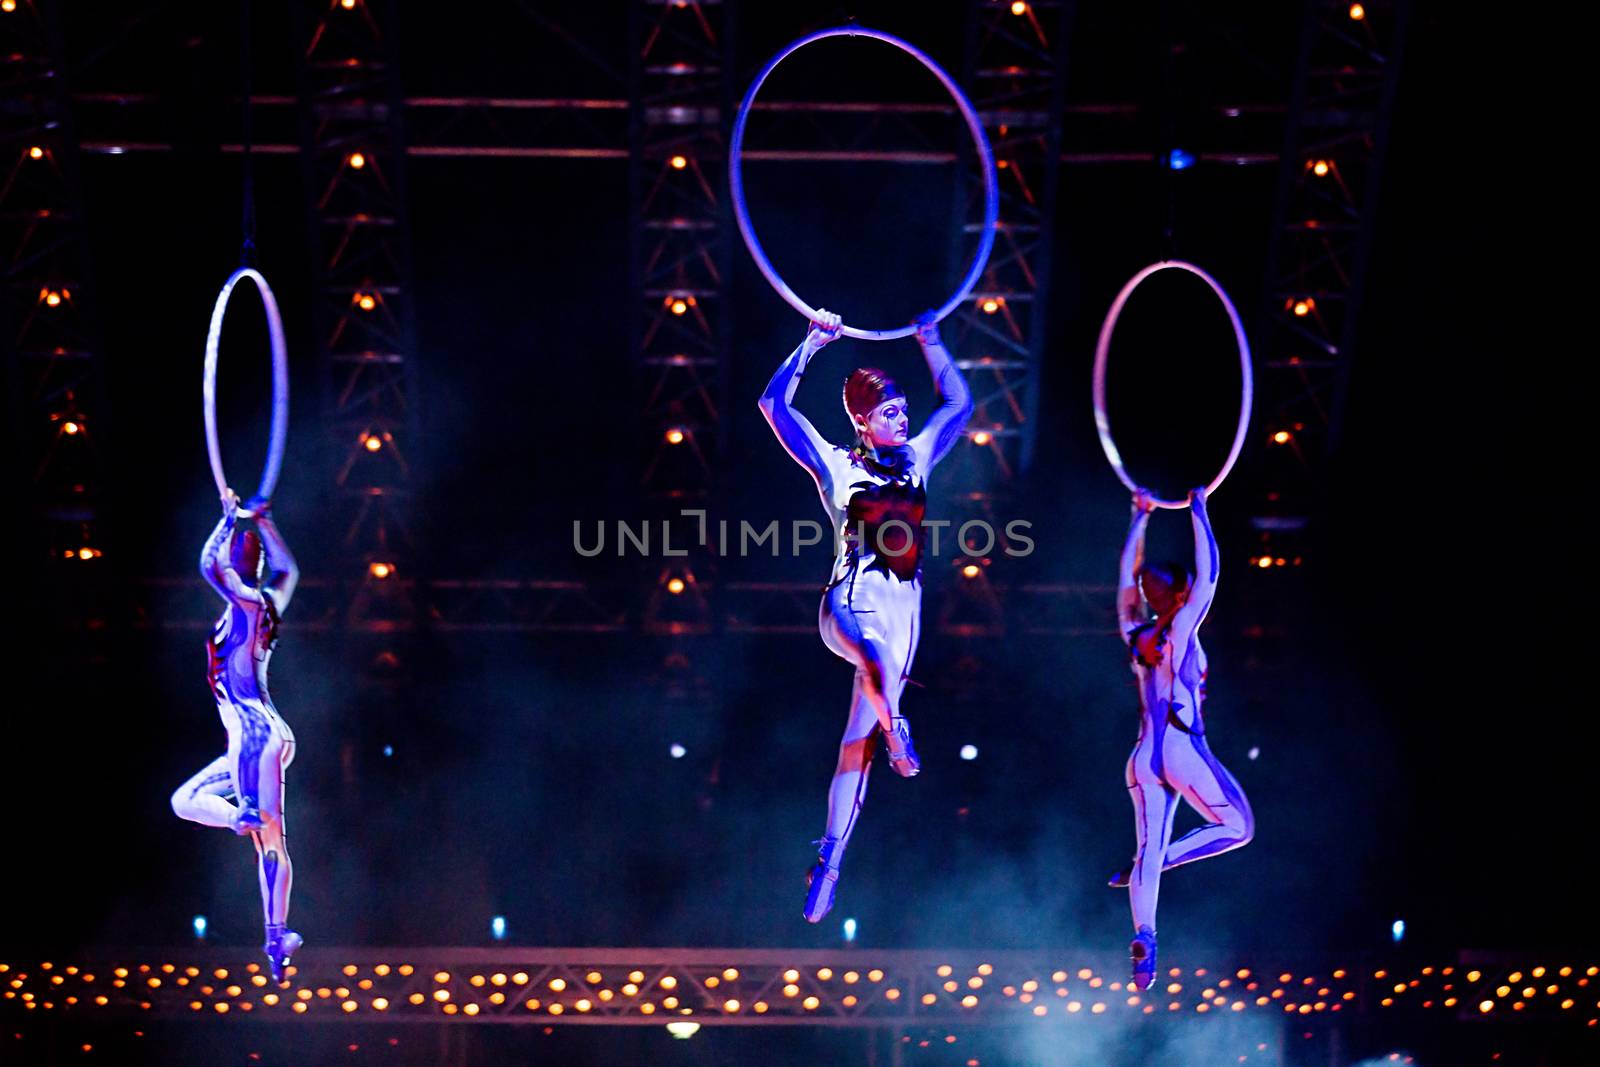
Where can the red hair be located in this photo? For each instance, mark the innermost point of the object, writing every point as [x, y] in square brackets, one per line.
[866, 388]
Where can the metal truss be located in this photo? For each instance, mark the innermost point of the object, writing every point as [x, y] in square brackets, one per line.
[681, 56]
[353, 151]
[1016, 76]
[1332, 163]
[59, 409]
[859, 988]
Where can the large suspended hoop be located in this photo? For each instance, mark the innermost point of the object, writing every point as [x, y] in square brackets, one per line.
[991, 189]
[280, 383]
[1102, 422]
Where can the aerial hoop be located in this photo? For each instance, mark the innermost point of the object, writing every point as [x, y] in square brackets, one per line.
[280, 383]
[1102, 423]
[991, 190]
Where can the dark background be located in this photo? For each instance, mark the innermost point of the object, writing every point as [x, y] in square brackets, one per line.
[1417, 760]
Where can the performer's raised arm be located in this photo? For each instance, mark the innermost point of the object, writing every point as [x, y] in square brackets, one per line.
[1206, 567]
[794, 431]
[283, 574]
[947, 420]
[212, 558]
[1129, 614]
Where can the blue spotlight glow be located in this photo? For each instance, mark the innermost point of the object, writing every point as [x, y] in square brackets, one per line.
[678, 751]
[969, 752]
[1255, 752]
[497, 927]
[849, 929]
[388, 750]
[1398, 930]
[1178, 159]
[200, 927]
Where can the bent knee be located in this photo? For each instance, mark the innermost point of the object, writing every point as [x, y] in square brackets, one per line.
[180, 802]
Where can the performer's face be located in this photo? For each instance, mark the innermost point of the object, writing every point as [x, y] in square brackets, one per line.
[886, 425]
[1162, 596]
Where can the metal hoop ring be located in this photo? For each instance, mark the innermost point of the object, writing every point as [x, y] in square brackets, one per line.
[280, 383]
[1102, 423]
[991, 188]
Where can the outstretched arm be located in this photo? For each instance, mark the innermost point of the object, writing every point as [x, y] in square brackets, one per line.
[795, 432]
[284, 573]
[211, 554]
[1206, 565]
[944, 425]
[1128, 613]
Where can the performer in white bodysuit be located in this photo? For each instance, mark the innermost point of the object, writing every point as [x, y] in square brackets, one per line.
[242, 790]
[1171, 758]
[870, 616]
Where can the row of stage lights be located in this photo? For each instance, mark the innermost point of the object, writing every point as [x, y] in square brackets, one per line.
[1231, 992]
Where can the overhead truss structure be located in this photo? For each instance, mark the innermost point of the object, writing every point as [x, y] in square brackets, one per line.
[1332, 162]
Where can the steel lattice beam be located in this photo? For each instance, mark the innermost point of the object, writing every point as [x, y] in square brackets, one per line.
[353, 153]
[1332, 162]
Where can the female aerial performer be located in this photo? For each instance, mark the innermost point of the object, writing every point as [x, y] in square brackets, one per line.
[242, 789]
[875, 495]
[1171, 757]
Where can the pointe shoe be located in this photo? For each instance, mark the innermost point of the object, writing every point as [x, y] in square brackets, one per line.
[247, 820]
[1142, 951]
[1120, 879]
[822, 880]
[902, 753]
[282, 944]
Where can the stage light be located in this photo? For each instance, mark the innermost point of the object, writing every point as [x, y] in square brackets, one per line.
[1398, 930]
[1282, 437]
[348, 5]
[679, 162]
[1357, 12]
[1320, 168]
[677, 751]
[982, 437]
[679, 307]
[388, 750]
[69, 427]
[356, 160]
[683, 1031]
[1178, 159]
[371, 441]
[675, 586]
[200, 927]
[8, 6]
[497, 927]
[1254, 753]
[1302, 308]
[849, 929]
[1019, 7]
[380, 571]
[366, 301]
[971, 570]
[87, 553]
[35, 152]
[1264, 562]
[675, 436]
[991, 304]
[51, 297]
